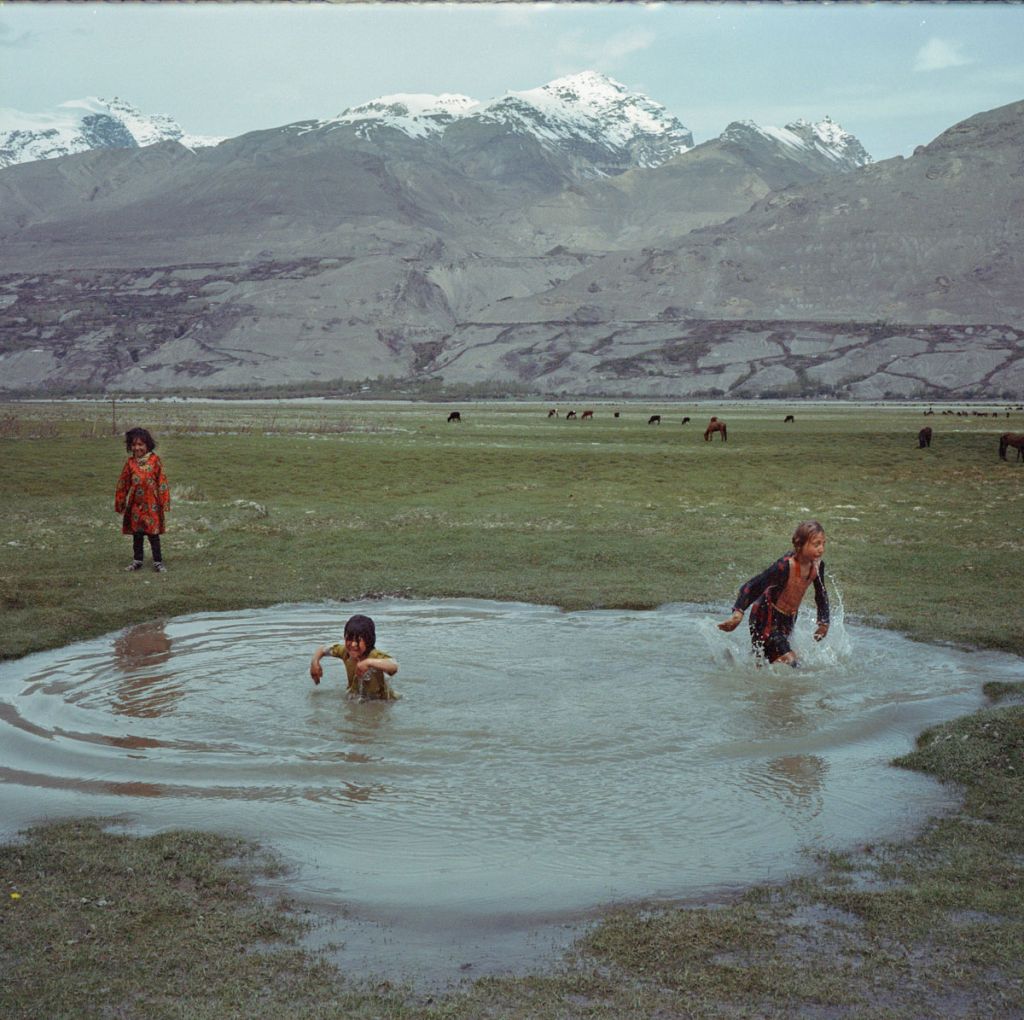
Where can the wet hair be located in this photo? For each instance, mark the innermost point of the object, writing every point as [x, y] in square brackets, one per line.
[361, 627]
[132, 434]
[806, 530]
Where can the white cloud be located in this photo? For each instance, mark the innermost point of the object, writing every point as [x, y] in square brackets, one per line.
[939, 54]
[607, 52]
[9, 39]
[522, 15]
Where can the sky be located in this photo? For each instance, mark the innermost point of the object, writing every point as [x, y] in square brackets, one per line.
[895, 75]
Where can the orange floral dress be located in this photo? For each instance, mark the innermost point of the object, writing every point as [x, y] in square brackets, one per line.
[143, 496]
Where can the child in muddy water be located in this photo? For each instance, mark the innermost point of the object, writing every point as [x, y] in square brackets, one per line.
[774, 596]
[366, 666]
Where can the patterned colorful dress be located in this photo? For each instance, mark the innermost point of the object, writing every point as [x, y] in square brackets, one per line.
[143, 496]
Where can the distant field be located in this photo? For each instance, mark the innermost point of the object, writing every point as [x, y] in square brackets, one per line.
[306, 501]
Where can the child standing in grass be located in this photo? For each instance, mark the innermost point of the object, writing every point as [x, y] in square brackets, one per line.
[775, 596]
[143, 497]
[366, 666]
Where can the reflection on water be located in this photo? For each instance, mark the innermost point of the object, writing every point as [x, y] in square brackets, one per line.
[144, 689]
[799, 777]
[499, 792]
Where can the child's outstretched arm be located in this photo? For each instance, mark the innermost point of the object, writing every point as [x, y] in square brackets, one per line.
[385, 665]
[775, 575]
[316, 671]
[733, 622]
[821, 602]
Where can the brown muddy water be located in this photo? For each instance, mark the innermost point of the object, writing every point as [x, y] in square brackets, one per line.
[539, 766]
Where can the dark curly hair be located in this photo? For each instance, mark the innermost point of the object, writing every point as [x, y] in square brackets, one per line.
[132, 434]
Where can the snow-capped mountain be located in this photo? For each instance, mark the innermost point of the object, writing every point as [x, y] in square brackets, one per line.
[83, 124]
[588, 109]
[417, 115]
[805, 140]
[587, 121]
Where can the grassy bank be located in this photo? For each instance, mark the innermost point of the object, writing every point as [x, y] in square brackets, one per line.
[277, 503]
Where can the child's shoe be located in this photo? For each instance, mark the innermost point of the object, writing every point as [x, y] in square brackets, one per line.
[134, 565]
[159, 567]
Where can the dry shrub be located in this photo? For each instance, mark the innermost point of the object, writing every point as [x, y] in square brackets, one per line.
[12, 427]
[187, 494]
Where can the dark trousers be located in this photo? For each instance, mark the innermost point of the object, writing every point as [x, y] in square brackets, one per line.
[770, 629]
[154, 545]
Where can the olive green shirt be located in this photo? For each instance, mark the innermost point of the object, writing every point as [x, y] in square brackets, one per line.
[373, 683]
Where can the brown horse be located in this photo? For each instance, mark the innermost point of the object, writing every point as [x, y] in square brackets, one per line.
[715, 426]
[1014, 439]
[924, 437]
[586, 415]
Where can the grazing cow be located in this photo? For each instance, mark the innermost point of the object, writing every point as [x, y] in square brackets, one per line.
[455, 416]
[552, 413]
[616, 414]
[586, 415]
[1011, 439]
[788, 417]
[655, 419]
[685, 421]
[924, 437]
[715, 426]
[929, 411]
[571, 414]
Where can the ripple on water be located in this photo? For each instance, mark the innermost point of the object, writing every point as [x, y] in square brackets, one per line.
[538, 762]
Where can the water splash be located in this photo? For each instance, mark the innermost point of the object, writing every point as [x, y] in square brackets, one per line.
[836, 651]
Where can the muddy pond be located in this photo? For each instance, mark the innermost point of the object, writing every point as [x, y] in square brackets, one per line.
[539, 766]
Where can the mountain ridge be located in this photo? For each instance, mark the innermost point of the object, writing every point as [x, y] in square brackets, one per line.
[748, 265]
[83, 125]
[588, 105]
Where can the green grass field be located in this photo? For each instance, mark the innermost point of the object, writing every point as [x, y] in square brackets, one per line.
[303, 502]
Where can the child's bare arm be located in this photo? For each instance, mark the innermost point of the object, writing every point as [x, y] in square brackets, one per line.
[733, 622]
[388, 666]
[316, 671]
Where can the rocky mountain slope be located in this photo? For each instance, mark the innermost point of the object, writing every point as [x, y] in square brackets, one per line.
[936, 238]
[571, 237]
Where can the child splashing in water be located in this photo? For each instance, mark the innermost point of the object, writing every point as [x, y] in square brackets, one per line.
[366, 666]
[143, 497]
[774, 596]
